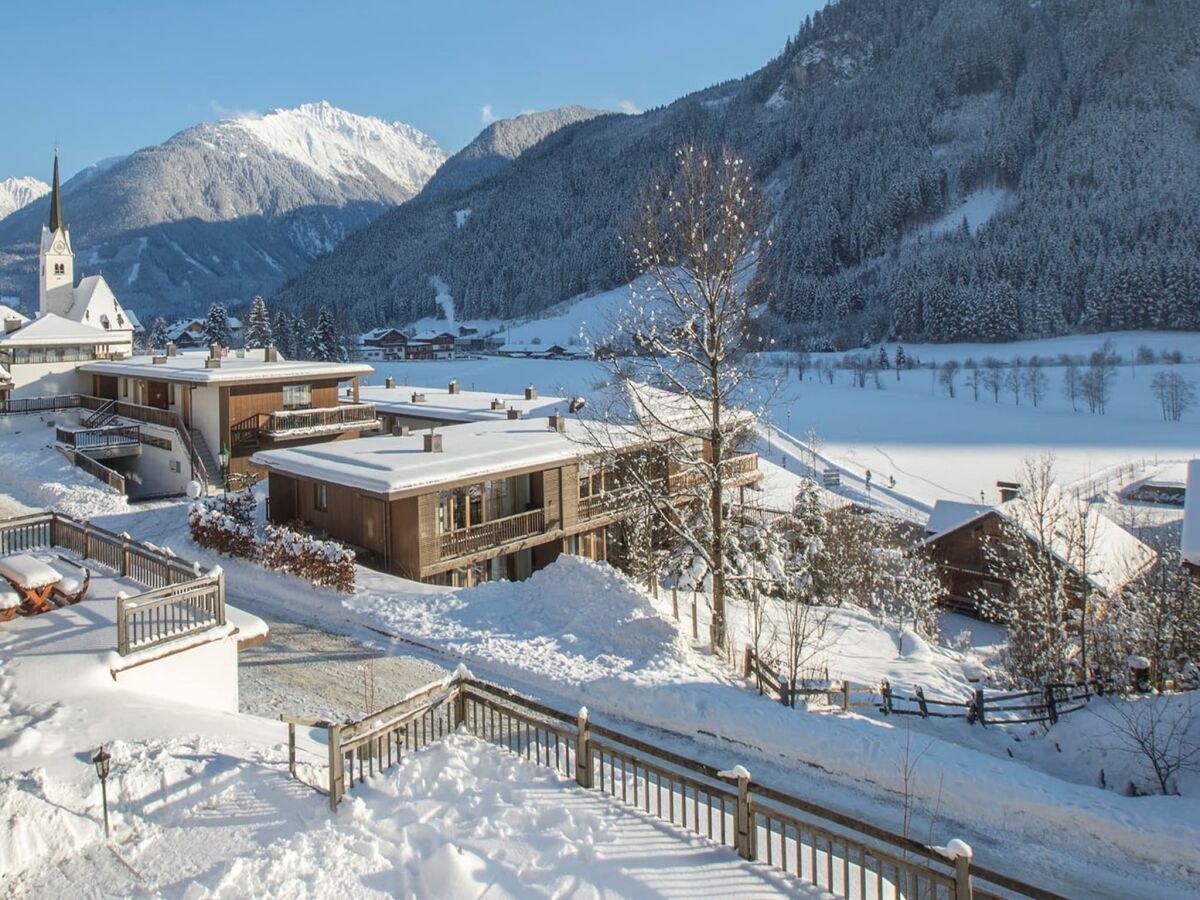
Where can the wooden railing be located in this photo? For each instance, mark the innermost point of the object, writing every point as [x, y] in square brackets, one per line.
[486, 535]
[183, 599]
[96, 469]
[607, 503]
[732, 469]
[844, 856]
[23, 405]
[99, 438]
[348, 415]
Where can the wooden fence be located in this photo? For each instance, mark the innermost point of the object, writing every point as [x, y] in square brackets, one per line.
[1044, 704]
[183, 599]
[491, 534]
[842, 855]
[97, 469]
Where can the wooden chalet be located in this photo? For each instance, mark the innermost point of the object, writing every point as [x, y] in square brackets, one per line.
[473, 502]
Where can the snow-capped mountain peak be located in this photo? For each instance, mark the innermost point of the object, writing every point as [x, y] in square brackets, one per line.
[337, 144]
[18, 192]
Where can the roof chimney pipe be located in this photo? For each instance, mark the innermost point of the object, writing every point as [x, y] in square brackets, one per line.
[531, 393]
[390, 382]
[433, 442]
[453, 386]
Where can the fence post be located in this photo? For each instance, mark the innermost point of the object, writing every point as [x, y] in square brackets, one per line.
[1051, 706]
[695, 625]
[962, 852]
[675, 601]
[885, 691]
[337, 783]
[979, 714]
[920, 692]
[124, 554]
[743, 831]
[292, 749]
[460, 705]
[845, 696]
[583, 750]
[747, 658]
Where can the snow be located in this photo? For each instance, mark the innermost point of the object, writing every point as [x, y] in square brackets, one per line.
[461, 216]
[464, 406]
[394, 463]
[1190, 542]
[336, 144]
[948, 515]
[976, 208]
[190, 367]
[16, 193]
[26, 571]
[50, 329]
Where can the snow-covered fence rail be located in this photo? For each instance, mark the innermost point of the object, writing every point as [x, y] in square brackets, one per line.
[844, 856]
[182, 599]
[1044, 704]
[773, 684]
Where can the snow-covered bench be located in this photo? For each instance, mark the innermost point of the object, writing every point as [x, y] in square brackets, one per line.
[73, 585]
[10, 602]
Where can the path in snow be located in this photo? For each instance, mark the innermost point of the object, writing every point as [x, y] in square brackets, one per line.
[307, 672]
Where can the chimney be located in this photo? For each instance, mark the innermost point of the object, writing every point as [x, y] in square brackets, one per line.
[531, 393]
[170, 348]
[159, 360]
[213, 363]
[11, 325]
[514, 414]
[214, 351]
[1009, 490]
[433, 442]
[497, 404]
[452, 387]
[389, 382]
[558, 423]
[418, 398]
[400, 430]
[271, 354]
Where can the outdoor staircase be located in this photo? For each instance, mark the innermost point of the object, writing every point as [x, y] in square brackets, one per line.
[211, 467]
[105, 415]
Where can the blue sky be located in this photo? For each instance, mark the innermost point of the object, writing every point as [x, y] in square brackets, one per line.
[112, 77]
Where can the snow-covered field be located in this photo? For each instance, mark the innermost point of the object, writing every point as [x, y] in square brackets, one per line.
[934, 446]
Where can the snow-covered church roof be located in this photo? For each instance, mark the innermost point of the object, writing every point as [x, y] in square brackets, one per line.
[49, 330]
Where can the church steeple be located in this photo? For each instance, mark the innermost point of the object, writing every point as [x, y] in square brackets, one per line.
[56, 219]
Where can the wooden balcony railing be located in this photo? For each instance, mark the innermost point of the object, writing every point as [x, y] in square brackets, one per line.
[486, 535]
[606, 502]
[733, 470]
[333, 418]
[99, 438]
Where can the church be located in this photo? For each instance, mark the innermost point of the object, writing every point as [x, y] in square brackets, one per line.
[75, 323]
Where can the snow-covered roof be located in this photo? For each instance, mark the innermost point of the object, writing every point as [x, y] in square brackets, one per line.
[397, 465]
[1189, 544]
[376, 333]
[465, 406]
[50, 330]
[947, 515]
[431, 334]
[7, 314]
[94, 299]
[1114, 556]
[190, 368]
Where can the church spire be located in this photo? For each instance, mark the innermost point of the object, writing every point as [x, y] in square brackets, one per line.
[55, 199]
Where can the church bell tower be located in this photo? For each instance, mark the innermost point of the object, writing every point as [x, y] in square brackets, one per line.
[56, 281]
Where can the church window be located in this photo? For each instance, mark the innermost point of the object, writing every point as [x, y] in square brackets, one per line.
[60, 269]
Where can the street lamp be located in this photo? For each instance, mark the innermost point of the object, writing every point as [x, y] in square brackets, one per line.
[101, 761]
[223, 458]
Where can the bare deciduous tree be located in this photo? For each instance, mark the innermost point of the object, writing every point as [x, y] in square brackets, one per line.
[1157, 731]
[696, 239]
[1174, 393]
[949, 375]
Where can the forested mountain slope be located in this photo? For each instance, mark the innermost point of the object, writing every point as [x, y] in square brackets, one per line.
[937, 169]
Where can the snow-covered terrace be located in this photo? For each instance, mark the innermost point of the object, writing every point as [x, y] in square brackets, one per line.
[459, 406]
[400, 464]
[192, 368]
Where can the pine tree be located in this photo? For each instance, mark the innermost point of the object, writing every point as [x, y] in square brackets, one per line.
[283, 328]
[326, 345]
[302, 338]
[157, 338]
[258, 326]
[901, 361]
[216, 327]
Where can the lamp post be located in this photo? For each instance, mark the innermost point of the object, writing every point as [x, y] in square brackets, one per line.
[101, 761]
[223, 458]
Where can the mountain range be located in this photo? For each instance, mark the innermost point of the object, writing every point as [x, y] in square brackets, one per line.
[935, 169]
[224, 210]
[18, 192]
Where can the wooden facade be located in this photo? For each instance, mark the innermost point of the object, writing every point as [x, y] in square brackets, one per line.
[502, 525]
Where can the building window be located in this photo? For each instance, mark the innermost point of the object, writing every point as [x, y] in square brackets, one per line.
[320, 497]
[60, 269]
[297, 396]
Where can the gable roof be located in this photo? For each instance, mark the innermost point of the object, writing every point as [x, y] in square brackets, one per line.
[1115, 558]
[7, 314]
[50, 330]
[950, 515]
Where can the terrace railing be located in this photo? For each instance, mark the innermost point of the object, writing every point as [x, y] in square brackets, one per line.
[98, 470]
[844, 856]
[495, 533]
[333, 418]
[733, 469]
[182, 598]
[99, 438]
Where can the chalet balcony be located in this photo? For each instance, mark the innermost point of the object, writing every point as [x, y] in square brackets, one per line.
[735, 471]
[330, 420]
[487, 535]
[107, 442]
[606, 503]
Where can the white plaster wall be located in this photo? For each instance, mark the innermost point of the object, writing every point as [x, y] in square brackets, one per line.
[48, 379]
[205, 675]
[206, 415]
[152, 471]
